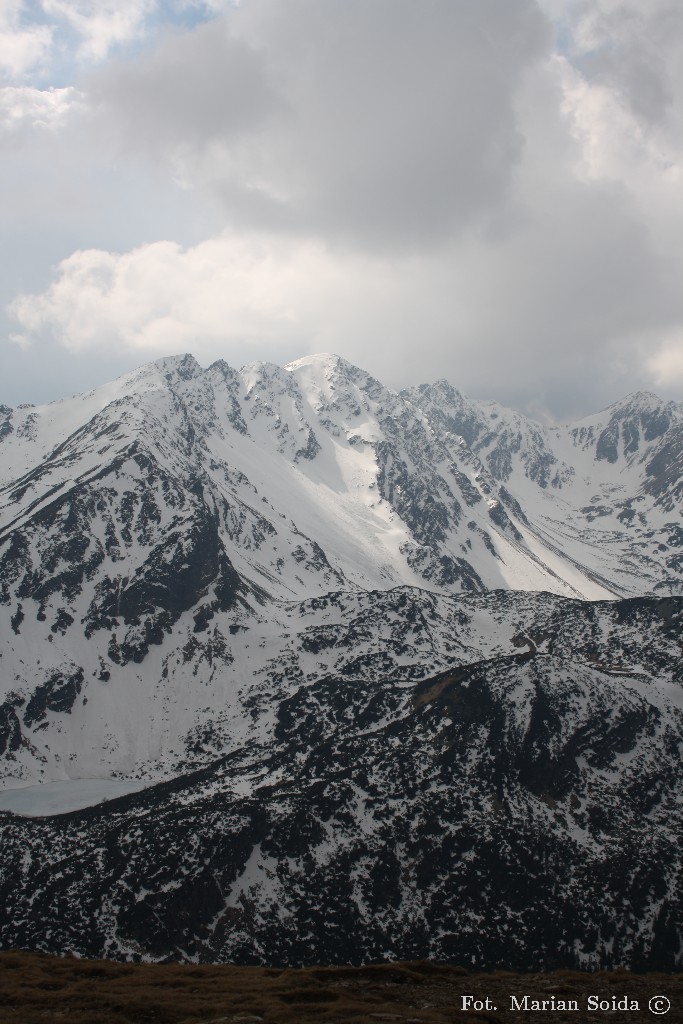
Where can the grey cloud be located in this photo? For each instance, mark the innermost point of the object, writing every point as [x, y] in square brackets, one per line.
[190, 90]
[384, 124]
[591, 286]
[45, 373]
[553, 316]
[405, 127]
[639, 76]
[637, 48]
[471, 225]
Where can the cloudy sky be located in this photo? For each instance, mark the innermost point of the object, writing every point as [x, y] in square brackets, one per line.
[485, 190]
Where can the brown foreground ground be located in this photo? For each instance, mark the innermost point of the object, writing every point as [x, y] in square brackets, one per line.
[35, 989]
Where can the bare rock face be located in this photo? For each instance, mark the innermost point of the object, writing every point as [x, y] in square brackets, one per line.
[403, 673]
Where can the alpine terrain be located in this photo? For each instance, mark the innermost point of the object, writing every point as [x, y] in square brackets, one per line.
[369, 675]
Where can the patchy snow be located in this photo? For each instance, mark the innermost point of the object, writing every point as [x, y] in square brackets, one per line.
[289, 471]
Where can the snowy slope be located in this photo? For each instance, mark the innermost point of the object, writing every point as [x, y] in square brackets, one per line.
[163, 539]
[600, 498]
[384, 661]
[518, 810]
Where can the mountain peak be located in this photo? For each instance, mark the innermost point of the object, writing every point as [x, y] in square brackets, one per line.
[184, 365]
[322, 362]
[640, 400]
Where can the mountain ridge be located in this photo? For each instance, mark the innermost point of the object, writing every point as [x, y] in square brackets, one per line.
[176, 501]
[517, 811]
[405, 666]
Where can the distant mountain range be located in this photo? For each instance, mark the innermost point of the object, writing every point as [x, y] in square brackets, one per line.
[403, 672]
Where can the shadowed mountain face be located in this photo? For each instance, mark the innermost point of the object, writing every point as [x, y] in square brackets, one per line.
[521, 810]
[348, 635]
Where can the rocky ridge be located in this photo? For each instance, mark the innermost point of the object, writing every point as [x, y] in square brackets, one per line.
[405, 670]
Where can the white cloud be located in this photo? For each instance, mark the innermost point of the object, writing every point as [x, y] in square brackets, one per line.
[101, 24]
[39, 37]
[208, 6]
[666, 364]
[160, 296]
[22, 47]
[482, 314]
[429, 189]
[24, 107]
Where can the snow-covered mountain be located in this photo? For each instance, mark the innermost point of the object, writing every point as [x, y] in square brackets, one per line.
[603, 494]
[166, 528]
[341, 606]
[521, 810]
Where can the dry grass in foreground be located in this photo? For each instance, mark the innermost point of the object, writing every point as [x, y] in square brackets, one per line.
[35, 989]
